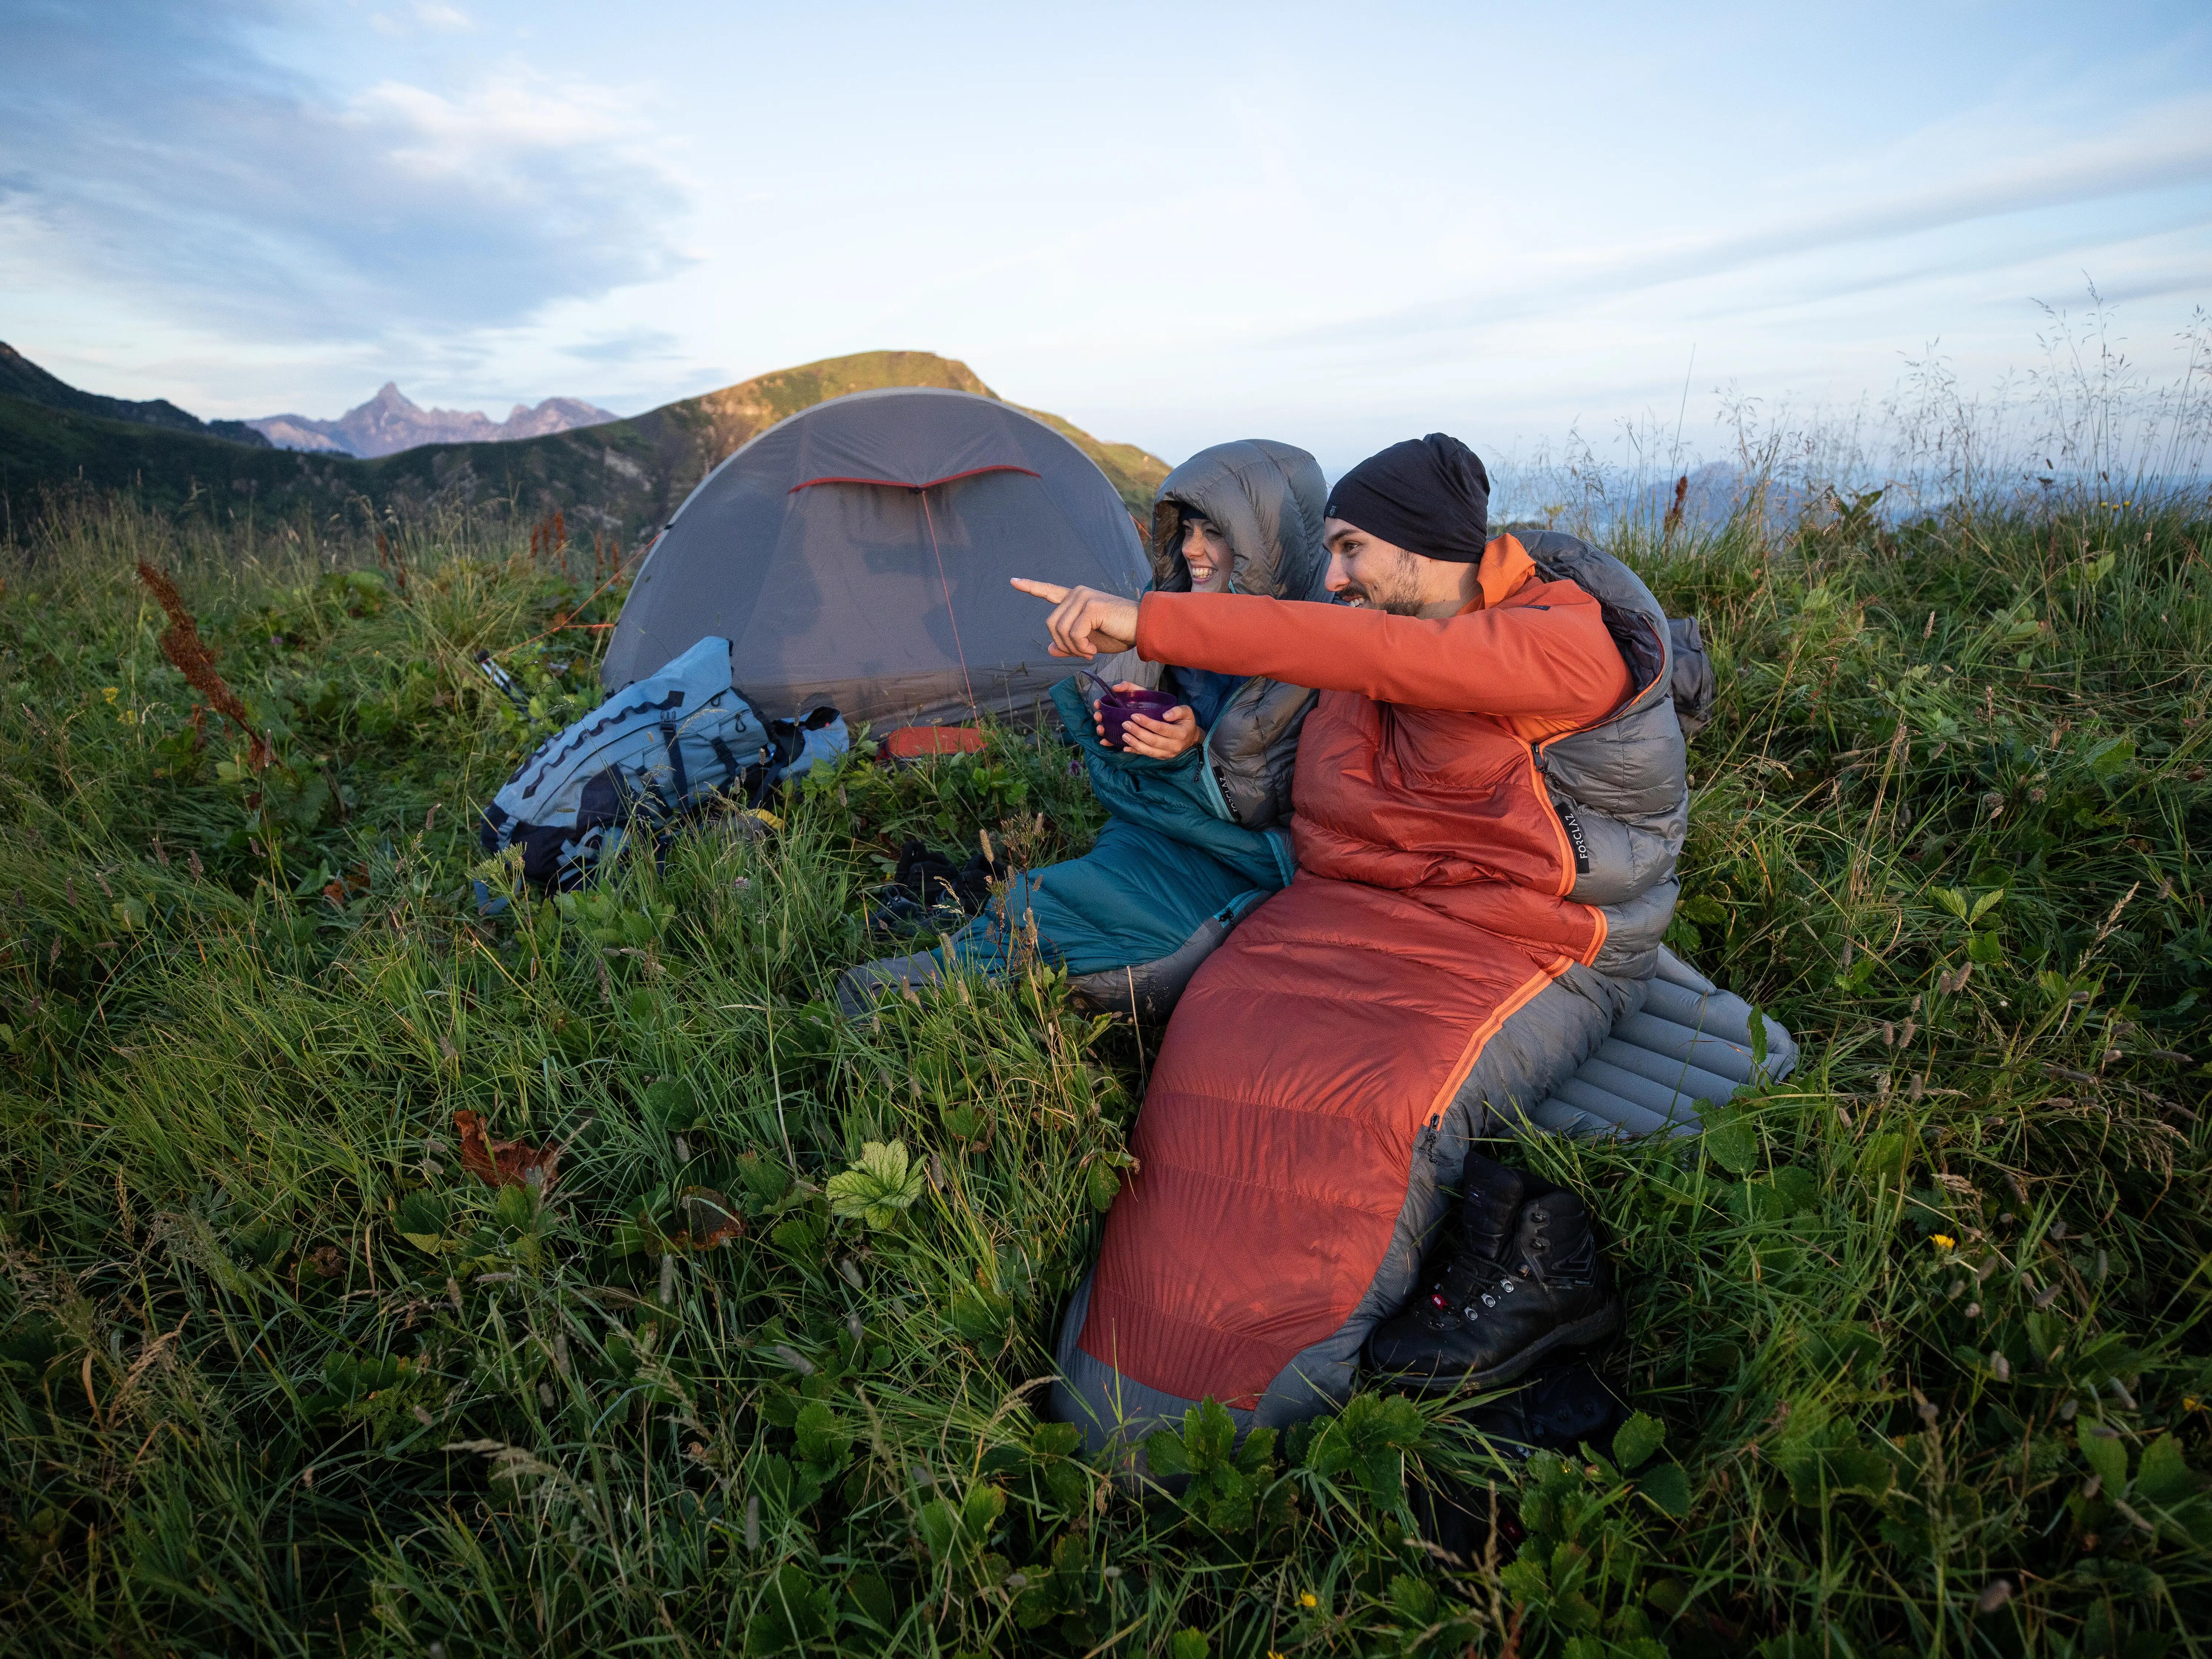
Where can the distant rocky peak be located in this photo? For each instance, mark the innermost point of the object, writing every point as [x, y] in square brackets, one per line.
[392, 421]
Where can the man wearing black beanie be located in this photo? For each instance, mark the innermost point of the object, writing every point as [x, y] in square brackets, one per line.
[1489, 798]
[1406, 528]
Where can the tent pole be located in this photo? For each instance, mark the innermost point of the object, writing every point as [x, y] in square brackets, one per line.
[930, 519]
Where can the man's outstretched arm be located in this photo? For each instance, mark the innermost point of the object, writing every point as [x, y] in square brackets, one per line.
[1554, 661]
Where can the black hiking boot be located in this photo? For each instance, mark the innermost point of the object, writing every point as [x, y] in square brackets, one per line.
[1520, 1279]
[928, 894]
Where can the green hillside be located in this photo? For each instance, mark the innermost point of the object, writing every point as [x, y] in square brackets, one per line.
[21, 377]
[624, 477]
[43, 449]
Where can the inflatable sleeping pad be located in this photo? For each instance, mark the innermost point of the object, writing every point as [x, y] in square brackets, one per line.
[1690, 1043]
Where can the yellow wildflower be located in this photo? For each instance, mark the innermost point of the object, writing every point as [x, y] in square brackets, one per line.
[110, 692]
[1945, 1242]
[1308, 1599]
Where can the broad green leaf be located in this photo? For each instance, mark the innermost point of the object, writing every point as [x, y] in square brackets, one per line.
[1639, 1437]
[1189, 1643]
[2107, 1454]
[2109, 758]
[765, 1180]
[940, 1527]
[821, 1437]
[981, 1314]
[671, 1106]
[1256, 1456]
[1163, 1453]
[797, 1234]
[878, 1187]
[1950, 899]
[1858, 1469]
[793, 1610]
[1985, 904]
[2164, 1476]
[1887, 1155]
[981, 1513]
[1414, 1598]
[1668, 1485]
[421, 1220]
[1055, 1440]
[1733, 1144]
[872, 1596]
[1798, 1186]
[1209, 1433]
[1104, 1186]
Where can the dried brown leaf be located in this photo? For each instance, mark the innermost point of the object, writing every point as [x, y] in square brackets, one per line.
[505, 1163]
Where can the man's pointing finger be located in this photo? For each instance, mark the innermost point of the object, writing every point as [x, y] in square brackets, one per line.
[1050, 593]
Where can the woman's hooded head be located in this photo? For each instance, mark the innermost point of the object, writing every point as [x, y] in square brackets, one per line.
[1265, 499]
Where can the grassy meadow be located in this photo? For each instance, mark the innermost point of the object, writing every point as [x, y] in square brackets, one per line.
[752, 1361]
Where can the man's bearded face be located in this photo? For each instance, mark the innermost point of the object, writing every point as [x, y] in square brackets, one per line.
[1375, 575]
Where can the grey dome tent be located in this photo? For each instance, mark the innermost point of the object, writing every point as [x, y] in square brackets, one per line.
[858, 553]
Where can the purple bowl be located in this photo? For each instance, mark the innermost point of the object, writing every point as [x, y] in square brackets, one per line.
[1115, 707]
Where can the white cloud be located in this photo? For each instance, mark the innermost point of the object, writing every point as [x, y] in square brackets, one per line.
[179, 164]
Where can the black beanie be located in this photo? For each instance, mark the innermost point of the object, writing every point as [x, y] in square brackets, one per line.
[1429, 496]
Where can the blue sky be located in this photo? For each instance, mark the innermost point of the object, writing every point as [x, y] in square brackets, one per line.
[1174, 224]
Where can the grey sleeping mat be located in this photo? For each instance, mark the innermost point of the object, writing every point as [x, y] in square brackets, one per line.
[1690, 1042]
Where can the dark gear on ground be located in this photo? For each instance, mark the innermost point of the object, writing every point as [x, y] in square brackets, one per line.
[928, 894]
[674, 747]
[1429, 496]
[1519, 1278]
[1557, 1408]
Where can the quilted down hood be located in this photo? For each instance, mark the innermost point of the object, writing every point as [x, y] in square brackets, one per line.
[1266, 499]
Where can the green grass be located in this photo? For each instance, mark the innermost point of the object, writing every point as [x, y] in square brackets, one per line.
[278, 1374]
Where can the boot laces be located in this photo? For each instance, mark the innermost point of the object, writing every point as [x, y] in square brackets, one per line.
[1575, 1270]
[1472, 1281]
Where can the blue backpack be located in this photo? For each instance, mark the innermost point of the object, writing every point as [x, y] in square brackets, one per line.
[658, 750]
